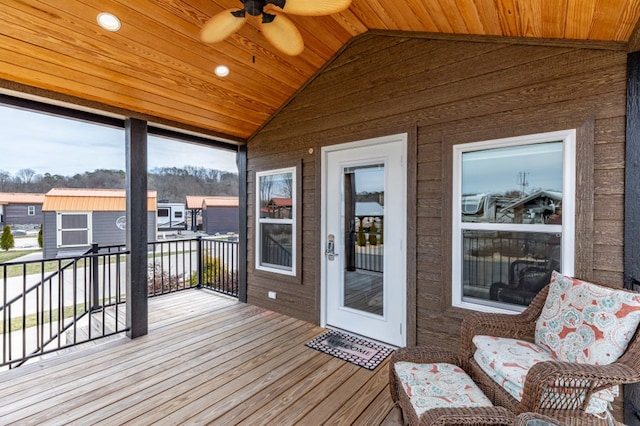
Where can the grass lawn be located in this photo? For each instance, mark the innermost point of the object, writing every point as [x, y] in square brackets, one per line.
[31, 268]
[8, 256]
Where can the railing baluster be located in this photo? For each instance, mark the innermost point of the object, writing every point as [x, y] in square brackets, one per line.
[173, 265]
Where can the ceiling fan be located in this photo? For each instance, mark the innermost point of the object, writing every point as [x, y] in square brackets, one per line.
[276, 27]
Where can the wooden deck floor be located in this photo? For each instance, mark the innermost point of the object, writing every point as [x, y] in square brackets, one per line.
[206, 360]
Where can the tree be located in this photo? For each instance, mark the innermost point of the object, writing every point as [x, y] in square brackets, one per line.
[6, 240]
[26, 175]
[40, 237]
[361, 238]
[5, 178]
[373, 234]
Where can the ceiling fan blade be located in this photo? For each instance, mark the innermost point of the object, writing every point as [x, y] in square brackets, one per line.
[313, 7]
[283, 34]
[221, 26]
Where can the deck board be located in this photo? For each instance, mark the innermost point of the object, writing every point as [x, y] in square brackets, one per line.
[207, 359]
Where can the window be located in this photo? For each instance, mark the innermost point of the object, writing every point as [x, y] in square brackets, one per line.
[31, 210]
[276, 221]
[74, 229]
[513, 218]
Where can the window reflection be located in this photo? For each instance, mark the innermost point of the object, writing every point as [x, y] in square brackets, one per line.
[276, 221]
[520, 184]
[502, 189]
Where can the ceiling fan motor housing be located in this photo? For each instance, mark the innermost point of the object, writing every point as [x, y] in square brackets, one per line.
[254, 7]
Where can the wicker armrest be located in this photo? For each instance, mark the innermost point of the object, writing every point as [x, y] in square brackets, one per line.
[543, 377]
[518, 326]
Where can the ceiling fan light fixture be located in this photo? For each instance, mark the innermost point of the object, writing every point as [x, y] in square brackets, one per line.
[108, 21]
[222, 71]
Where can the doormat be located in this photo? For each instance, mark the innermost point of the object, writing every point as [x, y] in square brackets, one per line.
[356, 350]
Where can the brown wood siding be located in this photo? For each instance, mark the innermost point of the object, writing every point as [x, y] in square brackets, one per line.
[454, 91]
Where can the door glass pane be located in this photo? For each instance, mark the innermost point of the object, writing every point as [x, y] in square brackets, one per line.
[364, 238]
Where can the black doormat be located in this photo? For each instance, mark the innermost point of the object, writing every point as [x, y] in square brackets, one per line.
[356, 350]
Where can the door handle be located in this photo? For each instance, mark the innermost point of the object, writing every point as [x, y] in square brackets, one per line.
[330, 251]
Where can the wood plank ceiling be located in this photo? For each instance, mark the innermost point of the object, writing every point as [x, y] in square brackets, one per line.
[156, 66]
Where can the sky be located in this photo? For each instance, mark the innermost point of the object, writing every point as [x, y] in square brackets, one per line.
[496, 171]
[54, 145]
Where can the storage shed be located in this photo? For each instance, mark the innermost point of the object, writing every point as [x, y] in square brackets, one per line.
[220, 215]
[76, 218]
[20, 210]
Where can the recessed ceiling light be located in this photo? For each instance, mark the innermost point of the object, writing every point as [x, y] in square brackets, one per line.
[108, 21]
[222, 71]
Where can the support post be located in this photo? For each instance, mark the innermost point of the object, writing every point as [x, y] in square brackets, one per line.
[241, 161]
[136, 231]
[632, 212]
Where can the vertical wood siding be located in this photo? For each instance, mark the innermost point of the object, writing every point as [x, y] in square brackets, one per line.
[452, 91]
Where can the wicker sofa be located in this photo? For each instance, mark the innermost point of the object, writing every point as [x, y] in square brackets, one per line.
[560, 388]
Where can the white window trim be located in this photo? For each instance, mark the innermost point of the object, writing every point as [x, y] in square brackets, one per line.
[292, 222]
[89, 229]
[31, 210]
[568, 137]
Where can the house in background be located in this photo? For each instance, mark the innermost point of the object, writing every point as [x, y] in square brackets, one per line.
[76, 218]
[220, 215]
[21, 210]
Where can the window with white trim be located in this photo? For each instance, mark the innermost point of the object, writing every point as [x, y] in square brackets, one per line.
[31, 210]
[276, 221]
[74, 229]
[513, 218]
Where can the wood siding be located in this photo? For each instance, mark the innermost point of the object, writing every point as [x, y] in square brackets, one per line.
[443, 92]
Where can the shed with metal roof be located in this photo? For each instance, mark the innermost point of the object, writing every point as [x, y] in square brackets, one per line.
[74, 219]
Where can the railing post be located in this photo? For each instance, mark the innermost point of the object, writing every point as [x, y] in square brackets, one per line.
[95, 277]
[199, 252]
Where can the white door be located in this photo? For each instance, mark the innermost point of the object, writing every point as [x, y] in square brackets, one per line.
[364, 238]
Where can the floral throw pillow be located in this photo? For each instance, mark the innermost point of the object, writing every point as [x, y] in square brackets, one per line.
[586, 323]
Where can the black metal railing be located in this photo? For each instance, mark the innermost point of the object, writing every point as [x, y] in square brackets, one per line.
[368, 251]
[45, 306]
[51, 304]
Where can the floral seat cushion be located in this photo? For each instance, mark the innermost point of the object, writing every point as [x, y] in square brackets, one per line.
[507, 362]
[438, 385]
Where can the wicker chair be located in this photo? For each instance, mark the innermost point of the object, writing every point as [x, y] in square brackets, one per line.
[440, 416]
[576, 378]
